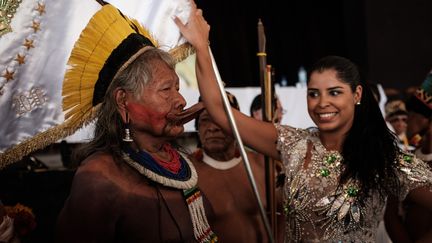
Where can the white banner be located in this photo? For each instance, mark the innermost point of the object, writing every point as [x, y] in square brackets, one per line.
[157, 17]
[34, 51]
[36, 39]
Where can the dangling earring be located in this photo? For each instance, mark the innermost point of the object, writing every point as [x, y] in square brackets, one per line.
[358, 103]
[127, 137]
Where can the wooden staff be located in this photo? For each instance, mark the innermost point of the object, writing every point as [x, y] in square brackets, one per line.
[267, 97]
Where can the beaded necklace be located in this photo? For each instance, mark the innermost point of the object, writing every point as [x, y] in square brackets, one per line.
[174, 164]
[200, 155]
[186, 179]
[146, 165]
[221, 165]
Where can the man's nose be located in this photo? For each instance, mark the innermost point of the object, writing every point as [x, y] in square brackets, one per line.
[180, 102]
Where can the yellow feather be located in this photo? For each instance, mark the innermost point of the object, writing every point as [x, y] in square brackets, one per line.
[104, 32]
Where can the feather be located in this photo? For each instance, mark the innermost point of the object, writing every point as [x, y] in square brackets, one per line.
[104, 32]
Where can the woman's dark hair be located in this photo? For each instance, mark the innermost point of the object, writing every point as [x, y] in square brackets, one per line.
[369, 149]
[109, 127]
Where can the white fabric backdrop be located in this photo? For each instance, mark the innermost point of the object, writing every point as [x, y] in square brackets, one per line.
[43, 34]
[293, 101]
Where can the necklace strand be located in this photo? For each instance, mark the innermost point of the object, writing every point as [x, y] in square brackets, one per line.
[147, 166]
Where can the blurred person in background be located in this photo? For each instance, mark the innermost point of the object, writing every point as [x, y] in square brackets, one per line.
[256, 109]
[397, 115]
[411, 221]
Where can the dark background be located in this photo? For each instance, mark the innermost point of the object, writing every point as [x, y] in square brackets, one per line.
[391, 41]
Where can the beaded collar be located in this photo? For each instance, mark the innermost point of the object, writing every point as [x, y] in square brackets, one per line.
[146, 165]
[186, 179]
[220, 165]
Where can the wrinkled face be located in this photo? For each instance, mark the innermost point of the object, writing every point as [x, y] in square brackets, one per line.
[416, 124]
[212, 138]
[158, 98]
[331, 102]
[399, 123]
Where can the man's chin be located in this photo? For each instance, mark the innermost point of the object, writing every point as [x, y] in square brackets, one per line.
[175, 131]
[214, 147]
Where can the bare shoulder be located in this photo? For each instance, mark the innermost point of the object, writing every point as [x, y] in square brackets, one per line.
[103, 170]
[97, 162]
[97, 159]
[97, 169]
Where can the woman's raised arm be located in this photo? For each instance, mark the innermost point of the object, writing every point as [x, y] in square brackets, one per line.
[259, 135]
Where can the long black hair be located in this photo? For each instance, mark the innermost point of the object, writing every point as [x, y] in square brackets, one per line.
[370, 149]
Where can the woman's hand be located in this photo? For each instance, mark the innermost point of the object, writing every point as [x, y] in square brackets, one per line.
[196, 30]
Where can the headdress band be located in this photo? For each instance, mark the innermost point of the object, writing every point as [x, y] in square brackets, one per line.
[124, 54]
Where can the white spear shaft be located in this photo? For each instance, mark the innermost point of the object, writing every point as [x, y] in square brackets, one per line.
[242, 149]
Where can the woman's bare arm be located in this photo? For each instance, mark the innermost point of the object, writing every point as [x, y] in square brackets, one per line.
[259, 135]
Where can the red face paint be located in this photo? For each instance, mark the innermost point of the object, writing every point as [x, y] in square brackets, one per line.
[141, 114]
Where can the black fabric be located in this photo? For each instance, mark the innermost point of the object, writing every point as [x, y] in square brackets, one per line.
[415, 105]
[121, 54]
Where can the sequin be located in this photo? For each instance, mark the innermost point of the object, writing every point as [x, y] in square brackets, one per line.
[355, 213]
[7, 10]
[318, 209]
[352, 191]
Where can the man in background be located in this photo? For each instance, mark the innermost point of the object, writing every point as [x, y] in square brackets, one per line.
[224, 181]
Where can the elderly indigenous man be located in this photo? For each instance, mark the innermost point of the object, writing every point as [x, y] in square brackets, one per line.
[223, 178]
[132, 185]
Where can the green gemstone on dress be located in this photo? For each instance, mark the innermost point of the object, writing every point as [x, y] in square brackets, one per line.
[330, 159]
[407, 158]
[324, 172]
[286, 210]
[352, 191]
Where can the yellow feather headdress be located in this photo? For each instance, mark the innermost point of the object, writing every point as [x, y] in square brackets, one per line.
[109, 40]
[108, 43]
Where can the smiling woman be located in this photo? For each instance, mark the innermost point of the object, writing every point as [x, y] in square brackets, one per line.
[339, 175]
[331, 101]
